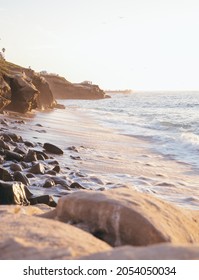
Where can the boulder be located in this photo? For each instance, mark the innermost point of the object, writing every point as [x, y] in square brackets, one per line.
[124, 216]
[164, 251]
[13, 193]
[30, 237]
[53, 149]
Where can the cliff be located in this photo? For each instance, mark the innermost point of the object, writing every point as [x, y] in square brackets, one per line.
[63, 89]
[22, 89]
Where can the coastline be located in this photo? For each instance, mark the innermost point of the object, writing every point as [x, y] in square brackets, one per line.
[112, 169]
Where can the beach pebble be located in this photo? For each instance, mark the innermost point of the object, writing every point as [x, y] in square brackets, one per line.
[29, 144]
[20, 150]
[48, 183]
[4, 145]
[13, 193]
[53, 149]
[75, 157]
[38, 168]
[76, 185]
[5, 175]
[30, 156]
[19, 176]
[73, 148]
[15, 167]
[51, 172]
[56, 168]
[13, 156]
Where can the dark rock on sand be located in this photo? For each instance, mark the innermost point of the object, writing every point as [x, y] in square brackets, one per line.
[53, 149]
[5, 175]
[3, 145]
[13, 156]
[48, 183]
[56, 168]
[37, 168]
[30, 156]
[19, 176]
[15, 167]
[13, 193]
[76, 185]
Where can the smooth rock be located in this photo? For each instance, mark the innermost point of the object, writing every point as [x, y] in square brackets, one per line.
[123, 216]
[5, 175]
[48, 183]
[30, 156]
[53, 149]
[13, 156]
[19, 176]
[56, 168]
[37, 168]
[26, 237]
[165, 251]
[15, 167]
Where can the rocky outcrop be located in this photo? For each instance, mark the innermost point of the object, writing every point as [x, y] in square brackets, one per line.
[124, 216]
[63, 89]
[22, 90]
[23, 236]
[154, 252]
[23, 94]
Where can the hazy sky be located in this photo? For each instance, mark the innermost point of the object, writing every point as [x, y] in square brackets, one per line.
[138, 44]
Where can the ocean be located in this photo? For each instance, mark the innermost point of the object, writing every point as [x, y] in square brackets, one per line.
[168, 121]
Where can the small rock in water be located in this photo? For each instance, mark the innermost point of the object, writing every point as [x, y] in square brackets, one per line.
[56, 168]
[19, 176]
[76, 185]
[5, 175]
[20, 150]
[13, 156]
[53, 149]
[3, 145]
[29, 144]
[48, 183]
[30, 156]
[73, 148]
[75, 158]
[38, 168]
[30, 175]
[51, 172]
[15, 167]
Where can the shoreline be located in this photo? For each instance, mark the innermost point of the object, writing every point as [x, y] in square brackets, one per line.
[108, 159]
[113, 191]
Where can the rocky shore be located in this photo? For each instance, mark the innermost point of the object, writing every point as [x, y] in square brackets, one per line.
[119, 223]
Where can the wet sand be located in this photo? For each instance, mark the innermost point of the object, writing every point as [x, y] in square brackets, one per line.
[104, 159]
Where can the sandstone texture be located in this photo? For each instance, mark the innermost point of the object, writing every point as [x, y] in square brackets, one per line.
[123, 216]
[23, 236]
[153, 252]
[63, 89]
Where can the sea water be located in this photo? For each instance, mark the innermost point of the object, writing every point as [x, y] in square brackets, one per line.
[168, 121]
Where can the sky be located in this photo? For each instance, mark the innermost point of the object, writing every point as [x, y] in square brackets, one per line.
[117, 44]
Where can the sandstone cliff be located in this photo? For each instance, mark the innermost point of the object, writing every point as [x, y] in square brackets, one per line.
[22, 89]
[63, 89]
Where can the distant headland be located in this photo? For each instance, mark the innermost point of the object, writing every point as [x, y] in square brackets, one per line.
[119, 91]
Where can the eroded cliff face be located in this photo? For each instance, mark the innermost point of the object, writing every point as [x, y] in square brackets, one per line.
[63, 89]
[22, 89]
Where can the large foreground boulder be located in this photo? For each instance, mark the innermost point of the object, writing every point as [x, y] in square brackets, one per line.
[153, 252]
[124, 216]
[30, 237]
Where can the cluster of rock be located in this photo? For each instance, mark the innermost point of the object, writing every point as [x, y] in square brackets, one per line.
[22, 90]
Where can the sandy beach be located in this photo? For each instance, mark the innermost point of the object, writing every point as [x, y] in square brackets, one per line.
[108, 159]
